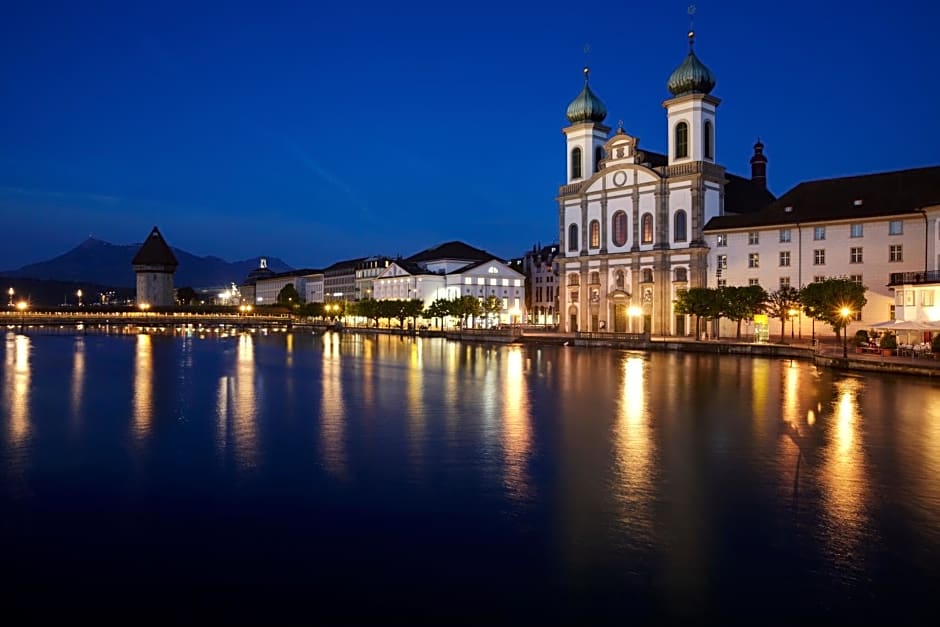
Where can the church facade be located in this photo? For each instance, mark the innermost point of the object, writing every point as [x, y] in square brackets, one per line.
[631, 221]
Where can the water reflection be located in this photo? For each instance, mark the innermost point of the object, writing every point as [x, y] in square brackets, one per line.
[843, 476]
[17, 388]
[415, 403]
[143, 387]
[633, 447]
[332, 408]
[78, 377]
[517, 431]
[237, 405]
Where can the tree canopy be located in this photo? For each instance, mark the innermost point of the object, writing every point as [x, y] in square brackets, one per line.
[288, 296]
[825, 300]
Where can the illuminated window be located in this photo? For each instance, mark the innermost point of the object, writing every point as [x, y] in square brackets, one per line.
[618, 225]
[574, 279]
[721, 239]
[646, 226]
[753, 260]
[595, 233]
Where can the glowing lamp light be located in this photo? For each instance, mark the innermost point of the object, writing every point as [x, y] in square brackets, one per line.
[22, 305]
[634, 311]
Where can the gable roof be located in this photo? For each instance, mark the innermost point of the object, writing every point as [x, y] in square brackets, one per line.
[155, 252]
[743, 195]
[881, 194]
[451, 250]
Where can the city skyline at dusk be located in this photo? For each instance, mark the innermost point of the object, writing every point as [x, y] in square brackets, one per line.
[321, 133]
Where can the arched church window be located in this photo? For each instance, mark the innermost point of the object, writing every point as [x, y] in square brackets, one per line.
[573, 237]
[576, 163]
[679, 226]
[598, 155]
[647, 275]
[595, 234]
[618, 279]
[682, 140]
[646, 226]
[618, 227]
[708, 140]
[574, 279]
[681, 275]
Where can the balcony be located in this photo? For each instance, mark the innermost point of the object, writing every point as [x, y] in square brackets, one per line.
[913, 278]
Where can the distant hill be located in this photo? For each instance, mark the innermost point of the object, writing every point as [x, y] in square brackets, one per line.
[102, 263]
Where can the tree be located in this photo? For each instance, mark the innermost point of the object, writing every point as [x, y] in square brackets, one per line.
[779, 304]
[412, 309]
[701, 302]
[288, 296]
[492, 305]
[740, 303]
[186, 296]
[824, 301]
[440, 308]
[467, 307]
[369, 309]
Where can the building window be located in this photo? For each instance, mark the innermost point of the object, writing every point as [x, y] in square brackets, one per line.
[819, 233]
[595, 234]
[926, 298]
[909, 298]
[618, 279]
[819, 278]
[784, 258]
[855, 278]
[682, 140]
[681, 275]
[574, 297]
[891, 313]
[856, 230]
[784, 236]
[721, 262]
[573, 237]
[895, 227]
[753, 238]
[753, 281]
[646, 226]
[679, 226]
[618, 224]
[708, 140]
[895, 252]
[647, 275]
[784, 282]
[855, 254]
[722, 239]
[595, 277]
[722, 282]
[574, 279]
[819, 257]
[753, 260]
[576, 163]
[598, 156]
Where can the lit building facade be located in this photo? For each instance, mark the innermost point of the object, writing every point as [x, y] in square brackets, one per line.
[154, 265]
[631, 221]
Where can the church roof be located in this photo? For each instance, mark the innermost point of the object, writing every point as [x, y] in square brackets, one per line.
[587, 106]
[691, 77]
[155, 252]
[743, 195]
[845, 198]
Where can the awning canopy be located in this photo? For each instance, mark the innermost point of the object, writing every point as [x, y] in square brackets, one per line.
[907, 325]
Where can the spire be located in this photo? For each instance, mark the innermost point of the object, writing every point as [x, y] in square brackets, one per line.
[691, 77]
[586, 107]
[759, 165]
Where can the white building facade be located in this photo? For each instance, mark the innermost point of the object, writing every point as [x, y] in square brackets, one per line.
[630, 221]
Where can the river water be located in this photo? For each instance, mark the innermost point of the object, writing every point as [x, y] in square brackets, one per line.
[293, 476]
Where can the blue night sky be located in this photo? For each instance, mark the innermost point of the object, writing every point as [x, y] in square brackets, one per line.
[321, 131]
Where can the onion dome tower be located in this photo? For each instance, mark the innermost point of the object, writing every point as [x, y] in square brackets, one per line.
[154, 265]
[691, 110]
[759, 165]
[586, 134]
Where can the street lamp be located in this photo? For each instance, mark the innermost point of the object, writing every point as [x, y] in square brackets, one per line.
[845, 312]
[11, 292]
[634, 312]
[79, 294]
[792, 313]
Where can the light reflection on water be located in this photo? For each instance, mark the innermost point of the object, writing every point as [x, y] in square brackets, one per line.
[645, 468]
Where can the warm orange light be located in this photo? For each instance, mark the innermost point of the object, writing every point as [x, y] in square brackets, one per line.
[22, 305]
[846, 312]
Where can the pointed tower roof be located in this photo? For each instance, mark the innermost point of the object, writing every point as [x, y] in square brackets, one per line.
[587, 106]
[691, 77]
[155, 252]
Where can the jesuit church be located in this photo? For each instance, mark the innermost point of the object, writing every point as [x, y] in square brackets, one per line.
[630, 220]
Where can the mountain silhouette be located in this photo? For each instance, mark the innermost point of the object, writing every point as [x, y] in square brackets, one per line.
[103, 263]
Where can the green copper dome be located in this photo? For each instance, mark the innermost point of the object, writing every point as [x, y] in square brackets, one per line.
[586, 107]
[692, 77]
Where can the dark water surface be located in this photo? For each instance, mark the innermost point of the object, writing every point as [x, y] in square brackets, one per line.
[270, 477]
